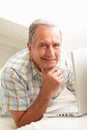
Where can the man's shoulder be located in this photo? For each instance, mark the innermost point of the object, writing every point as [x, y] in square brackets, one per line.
[19, 61]
[65, 59]
[19, 55]
[65, 63]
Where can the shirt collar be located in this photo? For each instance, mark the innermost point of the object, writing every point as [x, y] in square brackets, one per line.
[35, 70]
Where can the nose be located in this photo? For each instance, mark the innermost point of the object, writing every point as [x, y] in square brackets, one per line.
[50, 51]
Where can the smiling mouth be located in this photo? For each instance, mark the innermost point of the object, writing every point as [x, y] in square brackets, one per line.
[49, 62]
[49, 59]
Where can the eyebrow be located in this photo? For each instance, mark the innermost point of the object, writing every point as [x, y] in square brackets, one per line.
[44, 43]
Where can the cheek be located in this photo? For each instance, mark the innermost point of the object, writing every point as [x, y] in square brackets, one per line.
[58, 53]
[40, 53]
[35, 55]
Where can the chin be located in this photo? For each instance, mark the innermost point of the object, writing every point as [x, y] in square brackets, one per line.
[50, 67]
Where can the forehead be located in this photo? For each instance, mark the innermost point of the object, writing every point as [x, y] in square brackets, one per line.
[46, 32]
[47, 29]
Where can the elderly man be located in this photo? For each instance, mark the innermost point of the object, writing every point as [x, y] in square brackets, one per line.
[32, 77]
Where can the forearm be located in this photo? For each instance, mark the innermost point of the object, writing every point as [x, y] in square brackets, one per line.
[35, 112]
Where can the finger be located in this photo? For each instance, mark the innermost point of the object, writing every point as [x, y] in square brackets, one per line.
[54, 70]
[57, 73]
[60, 78]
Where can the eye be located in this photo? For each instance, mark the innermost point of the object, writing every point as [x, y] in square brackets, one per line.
[56, 45]
[43, 45]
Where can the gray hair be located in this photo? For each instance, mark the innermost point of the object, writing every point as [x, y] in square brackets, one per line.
[37, 23]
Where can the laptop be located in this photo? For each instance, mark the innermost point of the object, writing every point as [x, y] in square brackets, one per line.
[78, 108]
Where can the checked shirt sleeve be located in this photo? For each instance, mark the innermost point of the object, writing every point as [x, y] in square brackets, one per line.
[15, 94]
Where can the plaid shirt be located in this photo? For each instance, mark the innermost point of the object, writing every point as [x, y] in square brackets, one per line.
[21, 81]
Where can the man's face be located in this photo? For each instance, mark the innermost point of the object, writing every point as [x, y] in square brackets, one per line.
[45, 52]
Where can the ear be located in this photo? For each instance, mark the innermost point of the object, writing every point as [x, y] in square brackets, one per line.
[29, 46]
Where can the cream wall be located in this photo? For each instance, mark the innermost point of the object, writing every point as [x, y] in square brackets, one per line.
[13, 37]
[76, 39]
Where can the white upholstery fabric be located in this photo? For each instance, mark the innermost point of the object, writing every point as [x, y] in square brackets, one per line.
[70, 123]
[7, 123]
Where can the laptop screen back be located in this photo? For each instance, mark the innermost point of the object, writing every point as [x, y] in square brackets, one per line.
[79, 60]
